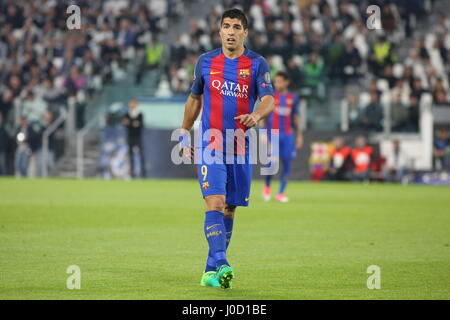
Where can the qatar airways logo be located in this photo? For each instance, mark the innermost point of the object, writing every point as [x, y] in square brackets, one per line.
[231, 89]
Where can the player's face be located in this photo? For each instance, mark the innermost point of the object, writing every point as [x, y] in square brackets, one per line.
[280, 83]
[232, 33]
[132, 104]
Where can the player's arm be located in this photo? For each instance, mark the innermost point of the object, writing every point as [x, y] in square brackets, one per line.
[194, 102]
[298, 127]
[262, 123]
[191, 111]
[264, 109]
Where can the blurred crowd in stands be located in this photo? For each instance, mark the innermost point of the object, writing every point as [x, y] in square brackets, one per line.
[326, 41]
[45, 68]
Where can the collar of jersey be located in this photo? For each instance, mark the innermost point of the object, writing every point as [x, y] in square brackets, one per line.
[243, 54]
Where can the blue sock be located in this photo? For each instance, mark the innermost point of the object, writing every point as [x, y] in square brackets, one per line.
[228, 228]
[268, 178]
[211, 262]
[284, 174]
[216, 236]
[283, 184]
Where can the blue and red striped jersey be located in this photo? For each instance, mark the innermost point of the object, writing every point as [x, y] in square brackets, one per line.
[286, 105]
[230, 87]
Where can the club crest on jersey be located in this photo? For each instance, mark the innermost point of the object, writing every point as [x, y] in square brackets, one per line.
[244, 73]
[205, 185]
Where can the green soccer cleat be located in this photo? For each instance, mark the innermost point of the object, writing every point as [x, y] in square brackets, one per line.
[225, 275]
[209, 279]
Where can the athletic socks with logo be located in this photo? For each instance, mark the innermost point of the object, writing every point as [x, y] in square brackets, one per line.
[216, 235]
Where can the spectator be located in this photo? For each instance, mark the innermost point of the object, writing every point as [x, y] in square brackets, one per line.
[34, 108]
[420, 48]
[299, 45]
[388, 20]
[441, 150]
[397, 165]
[441, 98]
[178, 51]
[134, 123]
[373, 88]
[401, 88]
[354, 112]
[280, 47]
[337, 170]
[382, 55]
[351, 61]
[336, 51]
[153, 58]
[6, 103]
[47, 121]
[314, 72]
[25, 139]
[408, 77]
[52, 95]
[372, 115]
[125, 37]
[440, 95]
[388, 75]
[413, 114]
[75, 81]
[114, 149]
[417, 89]
[399, 114]
[92, 69]
[361, 156]
[4, 141]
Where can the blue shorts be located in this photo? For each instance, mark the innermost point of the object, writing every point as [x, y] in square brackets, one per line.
[231, 180]
[286, 147]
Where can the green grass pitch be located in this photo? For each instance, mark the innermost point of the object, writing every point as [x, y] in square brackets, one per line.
[144, 240]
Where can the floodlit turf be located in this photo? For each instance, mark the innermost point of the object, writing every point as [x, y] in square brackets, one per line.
[144, 240]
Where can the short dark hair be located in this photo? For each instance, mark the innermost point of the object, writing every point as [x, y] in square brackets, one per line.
[283, 74]
[235, 14]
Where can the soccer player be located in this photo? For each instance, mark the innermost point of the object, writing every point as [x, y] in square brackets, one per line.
[285, 119]
[227, 83]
